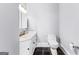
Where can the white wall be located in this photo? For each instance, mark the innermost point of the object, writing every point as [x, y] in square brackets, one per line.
[69, 25]
[43, 18]
[9, 28]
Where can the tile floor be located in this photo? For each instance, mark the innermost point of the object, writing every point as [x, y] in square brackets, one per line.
[46, 51]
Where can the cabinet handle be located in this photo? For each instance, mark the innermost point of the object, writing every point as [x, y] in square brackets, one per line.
[33, 42]
[27, 48]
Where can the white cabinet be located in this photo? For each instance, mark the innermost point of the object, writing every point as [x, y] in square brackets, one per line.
[25, 47]
[28, 45]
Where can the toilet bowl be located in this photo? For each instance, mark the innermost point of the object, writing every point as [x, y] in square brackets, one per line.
[53, 44]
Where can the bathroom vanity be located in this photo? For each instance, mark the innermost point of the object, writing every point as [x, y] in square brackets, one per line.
[27, 43]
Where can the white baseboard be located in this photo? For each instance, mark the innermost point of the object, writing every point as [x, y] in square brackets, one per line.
[43, 44]
[64, 50]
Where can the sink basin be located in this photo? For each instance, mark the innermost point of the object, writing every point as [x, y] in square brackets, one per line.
[27, 36]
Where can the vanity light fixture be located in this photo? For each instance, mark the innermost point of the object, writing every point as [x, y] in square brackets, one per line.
[22, 9]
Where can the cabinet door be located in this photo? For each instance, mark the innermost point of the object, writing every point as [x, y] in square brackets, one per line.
[33, 44]
[25, 47]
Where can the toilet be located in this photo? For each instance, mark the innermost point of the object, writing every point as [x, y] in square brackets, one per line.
[53, 44]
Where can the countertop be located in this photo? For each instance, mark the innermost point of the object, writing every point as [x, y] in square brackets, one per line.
[27, 36]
